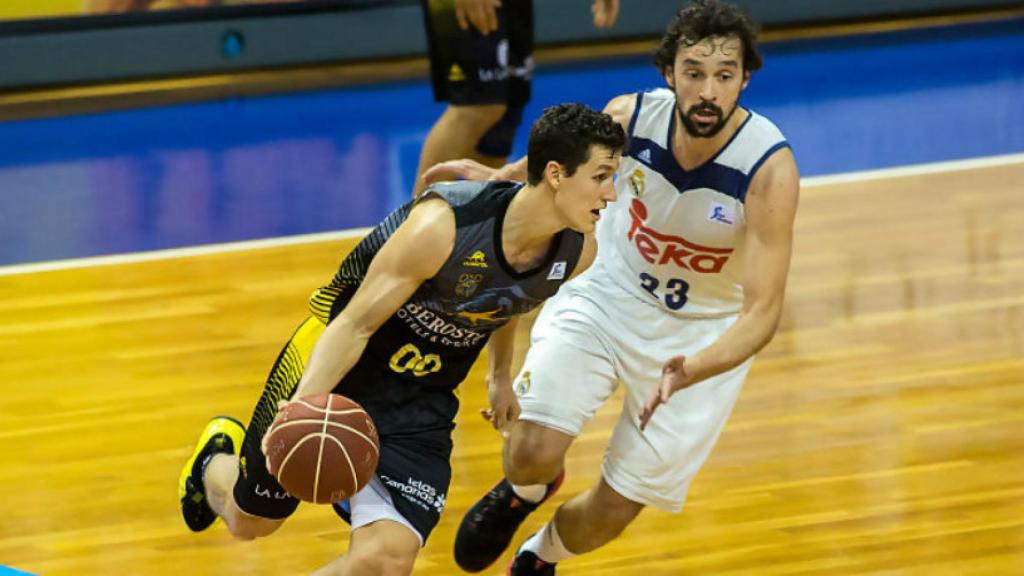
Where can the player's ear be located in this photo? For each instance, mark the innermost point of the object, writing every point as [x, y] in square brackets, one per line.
[667, 72]
[553, 174]
[746, 80]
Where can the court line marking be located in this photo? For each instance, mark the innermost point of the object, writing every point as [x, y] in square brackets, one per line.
[169, 253]
[165, 254]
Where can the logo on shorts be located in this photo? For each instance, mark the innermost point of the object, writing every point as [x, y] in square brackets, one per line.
[276, 494]
[418, 492]
[455, 74]
[557, 271]
[467, 284]
[477, 260]
[502, 54]
[523, 385]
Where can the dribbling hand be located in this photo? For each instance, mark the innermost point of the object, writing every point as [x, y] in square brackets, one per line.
[263, 442]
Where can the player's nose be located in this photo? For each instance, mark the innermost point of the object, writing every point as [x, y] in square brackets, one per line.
[609, 194]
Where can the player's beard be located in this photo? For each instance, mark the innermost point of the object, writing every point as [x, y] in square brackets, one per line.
[703, 130]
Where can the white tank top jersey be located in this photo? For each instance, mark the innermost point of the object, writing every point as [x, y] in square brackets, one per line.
[675, 237]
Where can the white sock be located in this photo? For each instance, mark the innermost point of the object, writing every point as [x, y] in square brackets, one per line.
[532, 493]
[547, 545]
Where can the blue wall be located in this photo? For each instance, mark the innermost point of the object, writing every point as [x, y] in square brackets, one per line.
[252, 168]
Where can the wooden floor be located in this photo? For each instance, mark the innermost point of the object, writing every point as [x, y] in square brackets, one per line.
[882, 431]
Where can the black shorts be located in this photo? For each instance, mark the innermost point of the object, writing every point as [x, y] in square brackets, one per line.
[416, 473]
[467, 68]
[414, 463]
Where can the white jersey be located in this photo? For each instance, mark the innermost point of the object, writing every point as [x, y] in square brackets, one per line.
[675, 237]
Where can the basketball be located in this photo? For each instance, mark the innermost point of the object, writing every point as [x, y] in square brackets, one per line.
[322, 448]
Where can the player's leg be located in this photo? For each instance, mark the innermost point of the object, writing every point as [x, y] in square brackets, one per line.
[383, 548]
[601, 511]
[394, 514]
[456, 133]
[230, 479]
[473, 73]
[651, 467]
[566, 376]
[383, 541]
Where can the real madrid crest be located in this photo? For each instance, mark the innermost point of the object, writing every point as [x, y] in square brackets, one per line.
[467, 284]
[523, 385]
[636, 182]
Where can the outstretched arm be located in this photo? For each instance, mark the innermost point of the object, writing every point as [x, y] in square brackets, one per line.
[620, 108]
[770, 210]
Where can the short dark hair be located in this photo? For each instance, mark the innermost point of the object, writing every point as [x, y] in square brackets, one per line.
[565, 133]
[705, 19]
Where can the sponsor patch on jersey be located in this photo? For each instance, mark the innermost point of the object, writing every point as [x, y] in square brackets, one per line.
[557, 271]
[645, 155]
[720, 213]
[477, 260]
[658, 248]
[467, 284]
[636, 182]
[476, 317]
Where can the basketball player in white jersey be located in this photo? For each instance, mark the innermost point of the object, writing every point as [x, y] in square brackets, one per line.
[687, 286]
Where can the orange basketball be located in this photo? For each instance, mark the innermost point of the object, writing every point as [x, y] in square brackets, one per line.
[322, 448]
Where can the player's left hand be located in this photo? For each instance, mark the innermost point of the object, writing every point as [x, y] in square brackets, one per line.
[674, 376]
[605, 12]
[504, 410]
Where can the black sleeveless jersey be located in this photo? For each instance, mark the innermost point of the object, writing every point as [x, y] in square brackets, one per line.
[407, 375]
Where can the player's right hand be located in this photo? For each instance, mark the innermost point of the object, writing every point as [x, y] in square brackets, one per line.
[263, 443]
[463, 169]
[482, 14]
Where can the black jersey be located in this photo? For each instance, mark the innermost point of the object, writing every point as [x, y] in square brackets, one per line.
[407, 375]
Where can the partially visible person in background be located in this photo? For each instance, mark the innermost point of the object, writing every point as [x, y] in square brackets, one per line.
[481, 63]
[119, 6]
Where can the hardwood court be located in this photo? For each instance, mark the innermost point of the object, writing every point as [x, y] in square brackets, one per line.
[880, 432]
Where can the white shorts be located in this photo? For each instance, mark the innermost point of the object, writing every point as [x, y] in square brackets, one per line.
[372, 503]
[590, 337]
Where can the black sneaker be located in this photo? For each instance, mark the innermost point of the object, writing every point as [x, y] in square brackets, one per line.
[488, 527]
[527, 563]
[221, 435]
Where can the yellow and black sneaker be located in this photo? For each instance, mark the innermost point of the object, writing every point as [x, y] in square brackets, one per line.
[222, 435]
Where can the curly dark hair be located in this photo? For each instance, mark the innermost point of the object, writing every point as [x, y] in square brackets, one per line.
[565, 133]
[705, 19]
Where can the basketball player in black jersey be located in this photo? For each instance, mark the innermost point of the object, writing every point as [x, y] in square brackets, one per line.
[397, 329]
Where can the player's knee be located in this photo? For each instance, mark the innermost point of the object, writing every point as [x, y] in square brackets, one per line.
[535, 455]
[245, 528]
[481, 117]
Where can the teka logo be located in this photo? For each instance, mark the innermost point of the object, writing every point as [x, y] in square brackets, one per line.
[658, 248]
